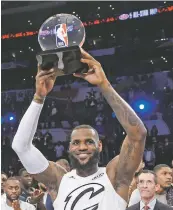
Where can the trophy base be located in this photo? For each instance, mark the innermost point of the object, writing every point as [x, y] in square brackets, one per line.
[65, 60]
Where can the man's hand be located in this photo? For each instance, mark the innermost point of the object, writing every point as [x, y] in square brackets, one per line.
[95, 75]
[36, 197]
[44, 81]
[16, 205]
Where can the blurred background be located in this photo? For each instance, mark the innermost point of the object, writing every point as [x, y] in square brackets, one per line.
[134, 43]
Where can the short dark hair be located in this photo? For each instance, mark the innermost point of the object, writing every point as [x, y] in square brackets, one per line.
[21, 171]
[159, 167]
[13, 178]
[86, 127]
[4, 174]
[148, 172]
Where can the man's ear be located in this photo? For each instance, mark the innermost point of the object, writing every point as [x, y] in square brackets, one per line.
[100, 146]
[157, 187]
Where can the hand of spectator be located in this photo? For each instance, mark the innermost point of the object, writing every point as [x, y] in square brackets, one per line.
[44, 81]
[16, 205]
[95, 74]
[36, 197]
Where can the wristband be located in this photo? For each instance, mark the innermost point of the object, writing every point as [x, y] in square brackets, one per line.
[39, 99]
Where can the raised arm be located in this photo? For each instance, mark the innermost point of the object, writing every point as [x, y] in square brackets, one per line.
[133, 145]
[32, 159]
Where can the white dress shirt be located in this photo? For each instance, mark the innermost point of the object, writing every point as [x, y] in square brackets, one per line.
[136, 197]
[23, 205]
[151, 204]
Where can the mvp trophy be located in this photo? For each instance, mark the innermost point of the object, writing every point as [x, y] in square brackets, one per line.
[60, 38]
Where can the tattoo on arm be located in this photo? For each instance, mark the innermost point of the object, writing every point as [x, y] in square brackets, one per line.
[125, 114]
[129, 160]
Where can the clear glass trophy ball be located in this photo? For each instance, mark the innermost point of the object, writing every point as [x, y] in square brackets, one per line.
[60, 31]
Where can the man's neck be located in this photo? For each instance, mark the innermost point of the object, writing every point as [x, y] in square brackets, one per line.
[26, 189]
[88, 172]
[146, 201]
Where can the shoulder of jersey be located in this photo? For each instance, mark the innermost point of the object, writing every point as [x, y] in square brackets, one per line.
[70, 174]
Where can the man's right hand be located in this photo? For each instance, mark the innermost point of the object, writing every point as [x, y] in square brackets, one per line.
[16, 205]
[44, 81]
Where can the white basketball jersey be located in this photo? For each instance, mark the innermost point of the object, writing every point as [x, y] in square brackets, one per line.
[94, 192]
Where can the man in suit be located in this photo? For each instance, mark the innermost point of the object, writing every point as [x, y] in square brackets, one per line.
[147, 185]
[165, 192]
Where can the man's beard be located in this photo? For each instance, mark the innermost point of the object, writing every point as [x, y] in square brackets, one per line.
[93, 160]
[11, 199]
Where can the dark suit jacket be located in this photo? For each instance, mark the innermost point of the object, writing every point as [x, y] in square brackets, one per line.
[158, 206]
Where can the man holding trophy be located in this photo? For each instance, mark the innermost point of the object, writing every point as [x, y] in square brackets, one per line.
[87, 186]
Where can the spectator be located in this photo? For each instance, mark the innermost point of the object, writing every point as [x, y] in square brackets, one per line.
[12, 190]
[86, 101]
[168, 152]
[149, 157]
[147, 185]
[59, 149]
[154, 131]
[159, 153]
[164, 193]
[164, 178]
[10, 171]
[28, 193]
[99, 120]
[4, 178]
[26, 182]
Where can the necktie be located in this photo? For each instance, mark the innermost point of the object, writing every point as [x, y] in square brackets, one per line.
[146, 207]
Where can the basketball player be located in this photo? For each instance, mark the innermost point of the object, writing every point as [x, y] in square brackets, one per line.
[88, 186]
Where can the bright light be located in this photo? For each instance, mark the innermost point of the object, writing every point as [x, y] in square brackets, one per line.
[11, 118]
[98, 7]
[73, 12]
[110, 5]
[141, 106]
[112, 8]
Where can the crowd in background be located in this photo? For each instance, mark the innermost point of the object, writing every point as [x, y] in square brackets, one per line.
[95, 111]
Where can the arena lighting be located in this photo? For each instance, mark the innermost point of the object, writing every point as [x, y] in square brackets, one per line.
[141, 106]
[144, 106]
[120, 17]
[11, 118]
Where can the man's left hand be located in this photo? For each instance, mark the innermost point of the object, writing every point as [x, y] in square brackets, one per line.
[36, 197]
[95, 74]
